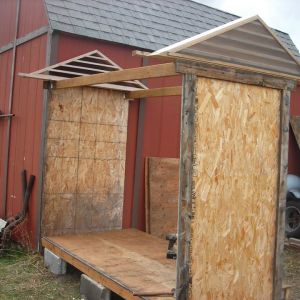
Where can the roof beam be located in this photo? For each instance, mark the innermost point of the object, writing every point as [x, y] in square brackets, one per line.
[158, 92]
[160, 70]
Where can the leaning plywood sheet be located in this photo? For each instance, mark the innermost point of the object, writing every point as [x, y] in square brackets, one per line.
[161, 195]
[235, 177]
[84, 160]
[126, 261]
[295, 123]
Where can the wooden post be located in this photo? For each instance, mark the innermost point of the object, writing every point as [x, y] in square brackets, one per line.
[185, 185]
[280, 220]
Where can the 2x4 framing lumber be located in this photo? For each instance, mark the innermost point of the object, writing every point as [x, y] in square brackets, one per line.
[160, 70]
[158, 92]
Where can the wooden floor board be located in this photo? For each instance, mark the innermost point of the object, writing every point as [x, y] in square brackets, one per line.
[126, 261]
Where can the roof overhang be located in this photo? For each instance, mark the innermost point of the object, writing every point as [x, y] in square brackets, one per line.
[246, 43]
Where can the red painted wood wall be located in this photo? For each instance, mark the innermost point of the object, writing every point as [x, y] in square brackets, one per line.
[294, 152]
[27, 103]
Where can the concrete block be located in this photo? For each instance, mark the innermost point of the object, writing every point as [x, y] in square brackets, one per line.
[54, 263]
[91, 290]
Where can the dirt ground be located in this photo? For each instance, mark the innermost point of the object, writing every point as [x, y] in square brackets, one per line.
[23, 276]
[292, 271]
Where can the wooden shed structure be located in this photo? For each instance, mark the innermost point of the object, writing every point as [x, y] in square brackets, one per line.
[233, 158]
[37, 33]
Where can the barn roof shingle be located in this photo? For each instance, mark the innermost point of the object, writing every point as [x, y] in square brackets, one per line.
[144, 24]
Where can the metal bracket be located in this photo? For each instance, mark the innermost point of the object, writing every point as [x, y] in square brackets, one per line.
[6, 115]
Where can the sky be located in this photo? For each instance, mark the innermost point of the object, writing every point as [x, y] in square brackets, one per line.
[283, 15]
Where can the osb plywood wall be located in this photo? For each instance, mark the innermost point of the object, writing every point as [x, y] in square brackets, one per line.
[162, 178]
[85, 160]
[234, 190]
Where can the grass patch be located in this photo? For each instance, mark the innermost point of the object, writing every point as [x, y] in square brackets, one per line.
[23, 276]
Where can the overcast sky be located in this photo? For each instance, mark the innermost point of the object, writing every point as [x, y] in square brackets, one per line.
[283, 15]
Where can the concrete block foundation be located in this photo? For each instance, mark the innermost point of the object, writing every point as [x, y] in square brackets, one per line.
[91, 290]
[54, 263]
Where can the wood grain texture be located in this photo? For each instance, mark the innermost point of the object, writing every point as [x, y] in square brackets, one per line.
[295, 123]
[282, 188]
[188, 104]
[207, 70]
[162, 178]
[156, 92]
[235, 190]
[160, 70]
[85, 160]
[126, 261]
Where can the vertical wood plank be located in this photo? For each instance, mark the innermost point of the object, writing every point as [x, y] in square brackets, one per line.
[185, 184]
[280, 222]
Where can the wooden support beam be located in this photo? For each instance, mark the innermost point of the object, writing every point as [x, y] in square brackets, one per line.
[159, 70]
[204, 69]
[281, 201]
[189, 95]
[158, 92]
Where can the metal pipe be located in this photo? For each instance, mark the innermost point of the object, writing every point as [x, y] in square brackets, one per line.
[10, 100]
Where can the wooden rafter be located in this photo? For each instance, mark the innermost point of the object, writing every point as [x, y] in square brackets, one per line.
[158, 92]
[90, 63]
[160, 70]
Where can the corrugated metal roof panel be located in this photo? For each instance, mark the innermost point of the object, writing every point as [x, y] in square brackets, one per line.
[246, 42]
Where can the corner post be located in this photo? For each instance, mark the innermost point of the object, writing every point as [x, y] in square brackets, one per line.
[281, 201]
[185, 185]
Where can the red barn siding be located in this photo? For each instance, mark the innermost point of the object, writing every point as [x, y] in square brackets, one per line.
[5, 73]
[294, 152]
[8, 9]
[26, 128]
[32, 16]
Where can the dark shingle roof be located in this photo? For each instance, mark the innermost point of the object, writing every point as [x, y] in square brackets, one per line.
[145, 24]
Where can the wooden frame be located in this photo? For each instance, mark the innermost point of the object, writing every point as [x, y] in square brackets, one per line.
[190, 70]
[185, 185]
[84, 65]
[282, 186]
[157, 92]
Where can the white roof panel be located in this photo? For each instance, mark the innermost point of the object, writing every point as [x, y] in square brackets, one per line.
[247, 42]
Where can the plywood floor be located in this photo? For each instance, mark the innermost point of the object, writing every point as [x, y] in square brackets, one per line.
[126, 261]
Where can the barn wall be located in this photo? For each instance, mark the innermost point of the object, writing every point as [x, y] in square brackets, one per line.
[5, 73]
[27, 101]
[25, 138]
[294, 152]
[32, 16]
[161, 120]
[84, 161]
[8, 10]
